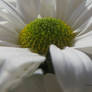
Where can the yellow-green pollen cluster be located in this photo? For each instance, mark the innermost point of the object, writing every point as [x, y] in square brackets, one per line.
[41, 33]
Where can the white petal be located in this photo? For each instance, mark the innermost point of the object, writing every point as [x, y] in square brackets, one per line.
[85, 27]
[84, 42]
[13, 2]
[81, 14]
[48, 8]
[17, 64]
[10, 26]
[60, 7]
[65, 8]
[12, 21]
[38, 71]
[73, 69]
[7, 33]
[29, 9]
[8, 44]
[11, 15]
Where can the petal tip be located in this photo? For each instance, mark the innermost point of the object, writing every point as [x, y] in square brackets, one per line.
[43, 58]
[52, 47]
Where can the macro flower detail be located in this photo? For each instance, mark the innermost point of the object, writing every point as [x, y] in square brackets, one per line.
[41, 33]
[64, 29]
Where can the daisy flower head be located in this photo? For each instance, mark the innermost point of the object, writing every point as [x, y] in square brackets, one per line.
[30, 29]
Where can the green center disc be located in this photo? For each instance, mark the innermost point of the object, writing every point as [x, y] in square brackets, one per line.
[41, 33]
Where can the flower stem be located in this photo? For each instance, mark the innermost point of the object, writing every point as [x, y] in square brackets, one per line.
[47, 66]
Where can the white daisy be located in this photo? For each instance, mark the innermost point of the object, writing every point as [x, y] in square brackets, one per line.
[72, 64]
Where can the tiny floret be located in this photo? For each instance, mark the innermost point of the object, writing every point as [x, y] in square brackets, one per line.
[41, 33]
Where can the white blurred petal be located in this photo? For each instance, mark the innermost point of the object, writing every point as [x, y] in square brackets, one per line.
[10, 26]
[13, 2]
[73, 69]
[51, 84]
[65, 8]
[29, 9]
[84, 42]
[85, 27]
[34, 84]
[38, 83]
[17, 64]
[60, 8]
[48, 8]
[81, 14]
[38, 71]
[8, 44]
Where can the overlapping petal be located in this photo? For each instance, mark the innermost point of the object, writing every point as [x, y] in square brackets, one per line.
[85, 27]
[16, 63]
[29, 9]
[10, 14]
[10, 24]
[7, 33]
[81, 14]
[73, 69]
[65, 8]
[13, 2]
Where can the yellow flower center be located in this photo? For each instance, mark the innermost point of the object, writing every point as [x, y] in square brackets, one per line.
[41, 33]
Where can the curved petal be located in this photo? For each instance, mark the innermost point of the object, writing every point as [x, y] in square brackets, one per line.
[17, 64]
[73, 69]
[48, 8]
[29, 9]
[81, 14]
[64, 8]
[84, 43]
